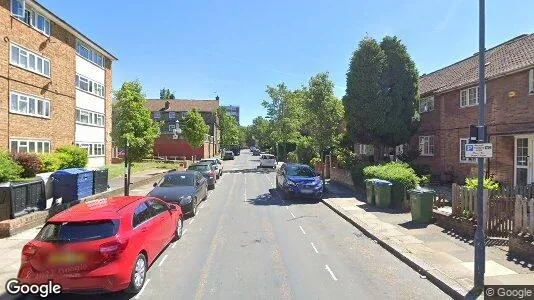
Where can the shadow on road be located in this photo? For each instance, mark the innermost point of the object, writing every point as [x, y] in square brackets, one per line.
[275, 198]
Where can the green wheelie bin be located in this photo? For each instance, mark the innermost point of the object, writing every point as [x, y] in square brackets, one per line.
[370, 191]
[382, 193]
[422, 201]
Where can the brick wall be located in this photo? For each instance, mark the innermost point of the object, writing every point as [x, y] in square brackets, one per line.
[166, 146]
[342, 176]
[59, 89]
[505, 117]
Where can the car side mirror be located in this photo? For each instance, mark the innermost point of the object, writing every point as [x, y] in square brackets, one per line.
[173, 207]
[155, 184]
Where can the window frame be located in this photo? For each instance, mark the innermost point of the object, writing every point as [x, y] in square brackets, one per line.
[92, 148]
[426, 101]
[93, 56]
[27, 143]
[23, 8]
[93, 87]
[466, 160]
[32, 18]
[28, 101]
[92, 117]
[431, 145]
[156, 115]
[26, 67]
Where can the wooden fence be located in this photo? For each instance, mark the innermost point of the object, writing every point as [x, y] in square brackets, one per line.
[524, 215]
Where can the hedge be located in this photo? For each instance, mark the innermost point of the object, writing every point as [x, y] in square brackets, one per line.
[74, 157]
[31, 164]
[395, 172]
[9, 170]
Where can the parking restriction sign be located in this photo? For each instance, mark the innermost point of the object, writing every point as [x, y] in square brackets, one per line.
[484, 150]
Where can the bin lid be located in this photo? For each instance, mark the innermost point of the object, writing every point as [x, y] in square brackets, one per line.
[382, 182]
[71, 171]
[422, 190]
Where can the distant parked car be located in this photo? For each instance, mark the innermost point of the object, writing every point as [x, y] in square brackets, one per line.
[185, 188]
[228, 155]
[218, 164]
[101, 245]
[268, 160]
[297, 180]
[207, 170]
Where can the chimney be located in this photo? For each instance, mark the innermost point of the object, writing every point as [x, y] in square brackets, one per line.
[167, 104]
[217, 97]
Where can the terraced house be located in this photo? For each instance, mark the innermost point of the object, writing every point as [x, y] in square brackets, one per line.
[55, 84]
[450, 104]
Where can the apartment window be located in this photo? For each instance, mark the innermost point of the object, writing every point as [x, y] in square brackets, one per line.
[29, 105]
[17, 8]
[89, 54]
[157, 115]
[90, 86]
[399, 150]
[531, 82]
[29, 146]
[363, 149]
[89, 118]
[426, 145]
[464, 159]
[426, 104]
[28, 60]
[26, 14]
[172, 128]
[93, 149]
[172, 115]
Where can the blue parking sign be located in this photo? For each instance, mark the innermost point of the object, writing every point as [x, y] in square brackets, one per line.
[469, 147]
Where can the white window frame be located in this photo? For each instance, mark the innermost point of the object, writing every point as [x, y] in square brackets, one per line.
[363, 149]
[21, 97]
[93, 149]
[26, 56]
[172, 128]
[93, 87]
[157, 115]
[92, 55]
[33, 18]
[92, 117]
[531, 82]
[431, 145]
[426, 104]
[399, 150]
[465, 160]
[467, 90]
[172, 115]
[27, 143]
[23, 8]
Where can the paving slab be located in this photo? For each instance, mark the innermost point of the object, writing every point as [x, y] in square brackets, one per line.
[492, 268]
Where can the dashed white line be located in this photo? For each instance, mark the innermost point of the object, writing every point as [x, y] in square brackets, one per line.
[163, 260]
[191, 222]
[331, 273]
[292, 214]
[315, 249]
[202, 206]
[245, 198]
[302, 229]
[142, 289]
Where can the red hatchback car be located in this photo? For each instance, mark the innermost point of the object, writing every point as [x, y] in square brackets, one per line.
[103, 245]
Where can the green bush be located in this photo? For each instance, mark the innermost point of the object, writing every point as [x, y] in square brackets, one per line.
[315, 160]
[9, 170]
[52, 161]
[357, 175]
[304, 150]
[472, 184]
[31, 164]
[394, 172]
[421, 169]
[75, 157]
[292, 157]
[346, 159]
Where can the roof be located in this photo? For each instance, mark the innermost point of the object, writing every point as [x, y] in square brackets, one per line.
[182, 105]
[511, 56]
[99, 209]
[50, 15]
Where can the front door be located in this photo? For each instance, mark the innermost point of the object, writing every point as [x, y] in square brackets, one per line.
[524, 160]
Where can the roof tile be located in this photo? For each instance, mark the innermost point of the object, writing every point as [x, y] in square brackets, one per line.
[182, 105]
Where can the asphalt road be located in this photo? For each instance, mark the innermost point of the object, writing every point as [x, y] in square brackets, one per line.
[247, 242]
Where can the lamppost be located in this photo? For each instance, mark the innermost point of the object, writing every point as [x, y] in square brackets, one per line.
[126, 170]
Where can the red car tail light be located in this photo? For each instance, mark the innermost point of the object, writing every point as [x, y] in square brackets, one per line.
[28, 252]
[111, 250]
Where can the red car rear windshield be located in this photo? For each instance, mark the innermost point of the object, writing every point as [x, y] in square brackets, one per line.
[77, 231]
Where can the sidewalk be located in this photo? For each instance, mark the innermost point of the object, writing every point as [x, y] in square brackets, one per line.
[446, 259]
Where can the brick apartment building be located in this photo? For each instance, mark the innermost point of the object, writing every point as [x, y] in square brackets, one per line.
[449, 104]
[55, 84]
[170, 112]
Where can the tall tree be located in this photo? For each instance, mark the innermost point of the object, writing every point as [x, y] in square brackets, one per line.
[261, 132]
[324, 112]
[230, 132]
[364, 101]
[132, 122]
[166, 94]
[401, 76]
[194, 129]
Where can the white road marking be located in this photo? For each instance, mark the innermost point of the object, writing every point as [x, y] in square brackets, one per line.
[302, 229]
[191, 222]
[138, 296]
[202, 205]
[313, 246]
[245, 200]
[287, 207]
[292, 214]
[163, 260]
[331, 273]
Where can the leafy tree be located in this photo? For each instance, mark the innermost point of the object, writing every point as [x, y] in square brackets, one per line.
[324, 112]
[364, 101]
[401, 76]
[132, 122]
[231, 134]
[305, 150]
[261, 132]
[165, 94]
[194, 129]
[249, 137]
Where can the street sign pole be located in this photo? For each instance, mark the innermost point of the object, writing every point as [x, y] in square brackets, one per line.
[480, 255]
[126, 169]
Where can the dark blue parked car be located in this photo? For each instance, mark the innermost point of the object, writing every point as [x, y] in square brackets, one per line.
[297, 180]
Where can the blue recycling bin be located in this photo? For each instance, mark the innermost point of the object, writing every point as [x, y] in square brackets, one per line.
[73, 184]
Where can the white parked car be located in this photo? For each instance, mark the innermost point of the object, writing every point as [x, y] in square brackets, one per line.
[218, 164]
[268, 160]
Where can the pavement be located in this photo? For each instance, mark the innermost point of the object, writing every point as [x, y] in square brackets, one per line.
[248, 242]
[447, 259]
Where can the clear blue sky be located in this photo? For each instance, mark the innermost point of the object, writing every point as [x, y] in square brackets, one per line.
[236, 48]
